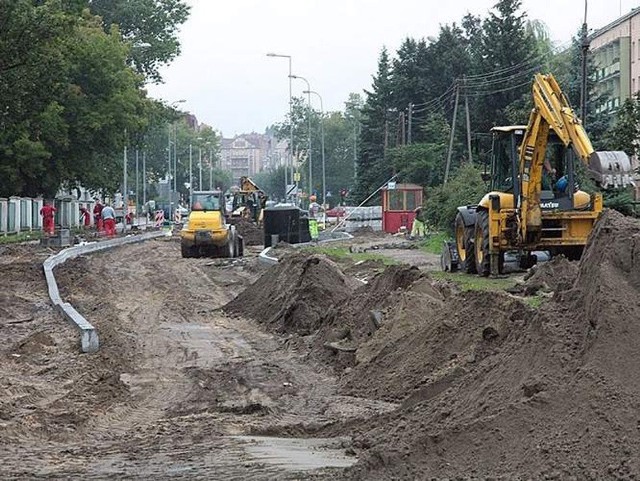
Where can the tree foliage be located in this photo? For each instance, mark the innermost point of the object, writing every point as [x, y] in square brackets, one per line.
[150, 26]
[69, 103]
[464, 187]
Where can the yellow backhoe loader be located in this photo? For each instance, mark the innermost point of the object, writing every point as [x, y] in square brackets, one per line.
[248, 201]
[534, 204]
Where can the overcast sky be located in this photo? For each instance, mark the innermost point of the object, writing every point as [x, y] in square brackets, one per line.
[228, 82]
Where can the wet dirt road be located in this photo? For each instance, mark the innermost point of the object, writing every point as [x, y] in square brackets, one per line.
[177, 390]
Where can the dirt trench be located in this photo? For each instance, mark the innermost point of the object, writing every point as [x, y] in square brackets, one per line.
[177, 390]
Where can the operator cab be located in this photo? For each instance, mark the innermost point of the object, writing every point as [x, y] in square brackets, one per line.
[555, 193]
[206, 201]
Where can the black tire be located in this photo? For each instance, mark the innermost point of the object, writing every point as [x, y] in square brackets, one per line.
[481, 241]
[185, 251]
[464, 246]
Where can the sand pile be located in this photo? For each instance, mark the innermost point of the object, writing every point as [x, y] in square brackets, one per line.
[250, 232]
[492, 388]
[557, 275]
[350, 324]
[294, 295]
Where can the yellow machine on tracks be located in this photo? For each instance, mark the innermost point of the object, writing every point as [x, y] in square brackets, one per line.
[206, 233]
[534, 204]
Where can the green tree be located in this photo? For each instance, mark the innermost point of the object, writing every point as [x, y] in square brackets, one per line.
[625, 131]
[465, 187]
[509, 52]
[272, 182]
[424, 163]
[373, 168]
[67, 100]
[150, 26]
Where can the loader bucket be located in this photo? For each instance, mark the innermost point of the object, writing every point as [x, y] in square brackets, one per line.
[611, 169]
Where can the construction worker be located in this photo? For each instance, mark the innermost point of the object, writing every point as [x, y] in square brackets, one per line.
[418, 228]
[47, 212]
[109, 220]
[97, 215]
[85, 217]
[314, 209]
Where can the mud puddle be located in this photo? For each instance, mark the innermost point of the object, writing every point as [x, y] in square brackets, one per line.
[298, 454]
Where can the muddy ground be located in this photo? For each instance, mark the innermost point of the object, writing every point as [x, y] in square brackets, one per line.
[212, 369]
[175, 385]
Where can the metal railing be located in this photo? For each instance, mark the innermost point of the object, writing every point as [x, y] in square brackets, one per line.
[22, 214]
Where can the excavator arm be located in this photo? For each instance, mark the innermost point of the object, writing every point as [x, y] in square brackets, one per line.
[552, 111]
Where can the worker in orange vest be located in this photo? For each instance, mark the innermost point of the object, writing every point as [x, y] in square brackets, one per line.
[47, 212]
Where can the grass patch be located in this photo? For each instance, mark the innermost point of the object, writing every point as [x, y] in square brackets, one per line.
[469, 282]
[433, 242]
[21, 237]
[534, 301]
[343, 253]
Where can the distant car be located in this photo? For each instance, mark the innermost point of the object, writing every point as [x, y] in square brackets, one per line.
[337, 211]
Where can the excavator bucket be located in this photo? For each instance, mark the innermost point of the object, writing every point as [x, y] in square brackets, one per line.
[611, 169]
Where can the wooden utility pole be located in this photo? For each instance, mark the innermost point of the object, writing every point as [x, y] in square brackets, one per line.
[466, 105]
[583, 84]
[402, 130]
[409, 123]
[453, 130]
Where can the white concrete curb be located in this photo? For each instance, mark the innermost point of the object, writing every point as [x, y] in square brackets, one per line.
[265, 258]
[89, 336]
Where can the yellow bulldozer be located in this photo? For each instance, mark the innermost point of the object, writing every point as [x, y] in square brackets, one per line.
[534, 203]
[206, 233]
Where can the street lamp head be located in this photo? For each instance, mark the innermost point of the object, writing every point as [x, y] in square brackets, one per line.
[271, 54]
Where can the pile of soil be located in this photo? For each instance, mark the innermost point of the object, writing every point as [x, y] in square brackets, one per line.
[557, 275]
[293, 296]
[353, 322]
[250, 232]
[493, 388]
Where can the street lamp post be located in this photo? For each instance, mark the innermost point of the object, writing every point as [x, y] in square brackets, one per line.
[200, 168]
[173, 105]
[210, 166]
[309, 129]
[290, 122]
[190, 176]
[324, 178]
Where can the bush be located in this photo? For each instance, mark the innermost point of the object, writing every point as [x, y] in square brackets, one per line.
[465, 187]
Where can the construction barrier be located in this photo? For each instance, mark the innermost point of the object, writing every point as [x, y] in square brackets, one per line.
[159, 219]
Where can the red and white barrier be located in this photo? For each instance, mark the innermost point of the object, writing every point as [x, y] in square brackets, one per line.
[159, 220]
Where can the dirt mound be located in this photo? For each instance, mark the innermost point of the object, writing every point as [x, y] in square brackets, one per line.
[557, 275]
[251, 233]
[427, 341]
[352, 323]
[493, 388]
[294, 295]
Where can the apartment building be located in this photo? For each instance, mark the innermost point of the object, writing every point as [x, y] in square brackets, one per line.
[248, 154]
[616, 52]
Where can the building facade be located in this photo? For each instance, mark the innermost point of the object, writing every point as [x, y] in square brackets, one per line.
[616, 53]
[248, 154]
